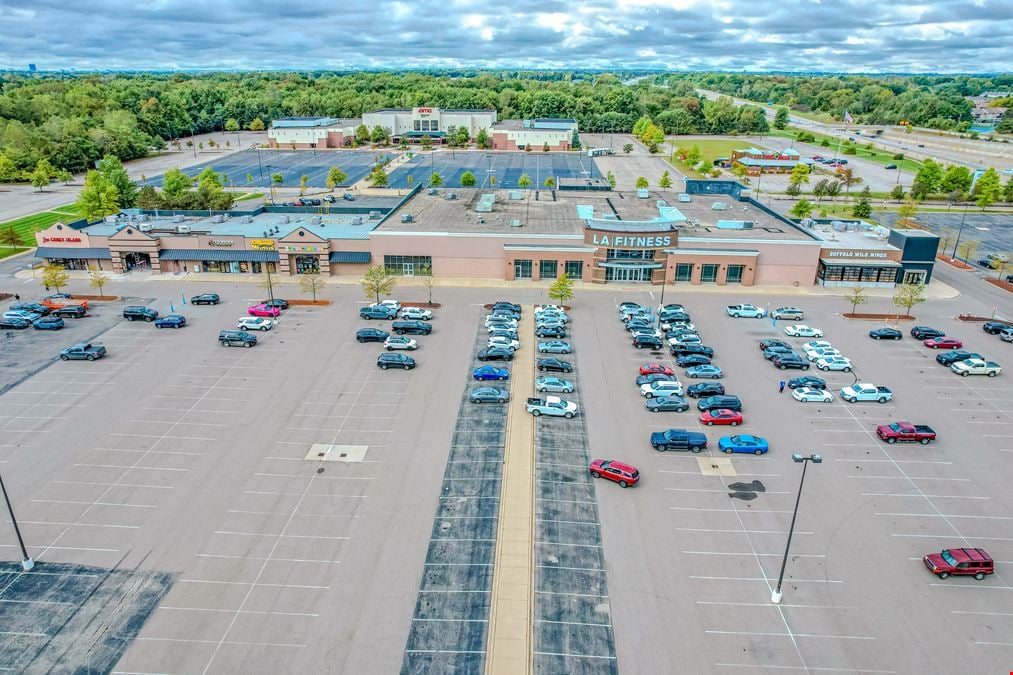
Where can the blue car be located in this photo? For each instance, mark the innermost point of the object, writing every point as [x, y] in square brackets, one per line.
[554, 347]
[490, 373]
[743, 443]
[48, 323]
[706, 371]
[171, 321]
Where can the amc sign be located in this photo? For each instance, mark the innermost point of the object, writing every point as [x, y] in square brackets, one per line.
[424, 111]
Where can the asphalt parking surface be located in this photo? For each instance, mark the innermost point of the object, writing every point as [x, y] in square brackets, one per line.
[506, 167]
[991, 230]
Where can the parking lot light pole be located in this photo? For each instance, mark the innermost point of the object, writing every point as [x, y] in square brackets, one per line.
[960, 231]
[775, 597]
[26, 560]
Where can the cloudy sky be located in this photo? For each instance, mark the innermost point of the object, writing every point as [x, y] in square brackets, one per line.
[751, 35]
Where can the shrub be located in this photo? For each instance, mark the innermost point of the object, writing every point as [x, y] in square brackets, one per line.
[899, 155]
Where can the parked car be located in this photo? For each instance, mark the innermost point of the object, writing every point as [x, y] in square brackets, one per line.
[777, 350]
[721, 416]
[277, 302]
[885, 334]
[743, 443]
[411, 327]
[803, 331]
[810, 381]
[617, 472]
[773, 342]
[786, 361]
[550, 332]
[654, 377]
[678, 439]
[263, 310]
[839, 363]
[553, 384]
[348, 197]
[942, 342]
[394, 360]
[504, 333]
[490, 373]
[362, 335]
[495, 354]
[1007, 334]
[71, 311]
[554, 365]
[649, 368]
[374, 313]
[971, 367]
[691, 360]
[925, 332]
[672, 307]
[671, 402]
[994, 327]
[488, 395]
[822, 353]
[48, 323]
[553, 406]
[33, 307]
[954, 355]
[706, 371]
[792, 313]
[905, 432]
[864, 391]
[661, 388]
[83, 351]
[417, 313]
[205, 299]
[503, 304]
[717, 402]
[236, 338]
[960, 561]
[171, 321]
[505, 342]
[497, 317]
[329, 199]
[681, 348]
[400, 342]
[704, 389]
[554, 347]
[14, 323]
[811, 395]
[135, 312]
[890, 166]
[749, 311]
[648, 341]
[260, 323]
[816, 344]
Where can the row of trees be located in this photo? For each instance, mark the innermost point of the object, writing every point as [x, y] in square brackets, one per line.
[955, 182]
[179, 191]
[905, 297]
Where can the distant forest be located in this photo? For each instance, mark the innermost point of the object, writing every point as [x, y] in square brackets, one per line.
[70, 121]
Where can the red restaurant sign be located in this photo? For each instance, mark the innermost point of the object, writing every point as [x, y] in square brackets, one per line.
[76, 240]
[425, 110]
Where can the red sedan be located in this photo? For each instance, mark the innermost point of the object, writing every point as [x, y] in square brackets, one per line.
[621, 473]
[721, 416]
[652, 368]
[943, 343]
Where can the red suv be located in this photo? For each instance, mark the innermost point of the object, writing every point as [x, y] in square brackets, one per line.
[960, 561]
[624, 474]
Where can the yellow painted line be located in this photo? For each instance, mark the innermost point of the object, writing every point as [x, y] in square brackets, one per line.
[509, 650]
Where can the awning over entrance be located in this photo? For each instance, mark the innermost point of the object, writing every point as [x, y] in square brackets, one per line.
[420, 134]
[217, 256]
[632, 265]
[858, 262]
[362, 257]
[59, 252]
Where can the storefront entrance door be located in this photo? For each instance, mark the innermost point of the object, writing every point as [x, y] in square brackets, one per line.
[408, 269]
[627, 274]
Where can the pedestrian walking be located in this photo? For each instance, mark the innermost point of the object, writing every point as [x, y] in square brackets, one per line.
[780, 387]
[17, 297]
[47, 287]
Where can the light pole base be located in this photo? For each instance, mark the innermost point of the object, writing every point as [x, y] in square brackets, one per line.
[27, 564]
[775, 597]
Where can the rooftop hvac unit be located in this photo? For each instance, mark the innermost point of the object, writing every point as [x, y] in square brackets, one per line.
[515, 195]
[247, 219]
[141, 217]
[183, 229]
[407, 218]
[110, 219]
[516, 223]
[684, 198]
[177, 219]
[643, 193]
[432, 191]
[661, 203]
[316, 220]
[451, 196]
[357, 220]
[284, 218]
[218, 219]
[144, 227]
[374, 215]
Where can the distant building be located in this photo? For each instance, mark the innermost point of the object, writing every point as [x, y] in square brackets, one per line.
[759, 161]
[310, 132]
[534, 134]
[31, 68]
[411, 124]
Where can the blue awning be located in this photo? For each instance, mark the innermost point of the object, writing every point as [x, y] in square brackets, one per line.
[350, 257]
[73, 253]
[216, 255]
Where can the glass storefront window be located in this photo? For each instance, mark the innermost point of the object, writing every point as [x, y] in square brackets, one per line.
[307, 263]
[627, 274]
[734, 275]
[575, 269]
[629, 254]
[547, 269]
[407, 265]
[70, 263]
[684, 271]
[522, 269]
[708, 273]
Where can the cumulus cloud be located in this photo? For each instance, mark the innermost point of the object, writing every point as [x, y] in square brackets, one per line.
[787, 35]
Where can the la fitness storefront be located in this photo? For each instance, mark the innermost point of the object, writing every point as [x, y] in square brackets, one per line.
[629, 256]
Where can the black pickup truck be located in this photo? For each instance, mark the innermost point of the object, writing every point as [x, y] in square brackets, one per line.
[678, 439]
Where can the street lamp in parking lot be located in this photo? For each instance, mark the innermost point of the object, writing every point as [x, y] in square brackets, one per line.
[26, 560]
[775, 597]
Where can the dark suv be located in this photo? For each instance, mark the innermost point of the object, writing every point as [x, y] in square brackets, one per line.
[412, 327]
[649, 341]
[205, 299]
[682, 348]
[394, 360]
[705, 389]
[135, 312]
[72, 311]
[377, 312]
[926, 332]
[236, 338]
[715, 402]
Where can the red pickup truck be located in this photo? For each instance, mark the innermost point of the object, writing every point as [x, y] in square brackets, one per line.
[905, 432]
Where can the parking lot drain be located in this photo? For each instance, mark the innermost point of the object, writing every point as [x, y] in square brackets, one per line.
[321, 452]
[716, 466]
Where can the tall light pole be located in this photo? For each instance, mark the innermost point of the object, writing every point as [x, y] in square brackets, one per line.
[775, 597]
[26, 560]
[959, 231]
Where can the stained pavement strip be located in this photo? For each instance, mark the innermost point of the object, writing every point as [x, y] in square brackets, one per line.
[448, 632]
[72, 618]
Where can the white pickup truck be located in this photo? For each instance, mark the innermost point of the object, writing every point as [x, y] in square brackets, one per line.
[864, 391]
[551, 405]
[976, 367]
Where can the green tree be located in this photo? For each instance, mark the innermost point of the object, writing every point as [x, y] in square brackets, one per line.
[175, 184]
[627, 148]
[575, 140]
[641, 182]
[550, 182]
[524, 181]
[987, 189]
[335, 177]
[256, 124]
[848, 177]
[967, 248]
[907, 211]
[378, 177]
[303, 179]
[232, 124]
[1007, 192]
[611, 178]
[277, 179]
[435, 180]
[362, 133]
[379, 135]
[665, 181]
[833, 189]
[909, 295]
[929, 175]
[793, 190]
[54, 276]
[856, 296]
[377, 281]
[799, 174]
[9, 171]
[820, 189]
[425, 274]
[467, 179]
[781, 118]
[561, 290]
[694, 156]
[482, 140]
[97, 279]
[427, 143]
[802, 209]
[39, 179]
[12, 238]
[545, 147]
[897, 192]
[863, 207]
[641, 125]
[112, 170]
[98, 198]
[311, 282]
[957, 178]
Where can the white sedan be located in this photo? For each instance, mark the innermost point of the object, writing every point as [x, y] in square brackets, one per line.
[255, 323]
[505, 342]
[834, 363]
[803, 331]
[810, 395]
[417, 313]
[822, 353]
[400, 342]
[813, 344]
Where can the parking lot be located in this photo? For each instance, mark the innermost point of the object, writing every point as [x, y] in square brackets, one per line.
[193, 475]
[506, 167]
[291, 164]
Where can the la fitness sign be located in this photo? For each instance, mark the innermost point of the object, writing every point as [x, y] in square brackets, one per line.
[625, 241]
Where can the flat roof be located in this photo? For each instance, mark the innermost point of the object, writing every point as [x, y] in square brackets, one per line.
[543, 216]
[866, 237]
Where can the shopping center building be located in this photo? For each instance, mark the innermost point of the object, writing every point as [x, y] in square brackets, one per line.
[714, 233]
